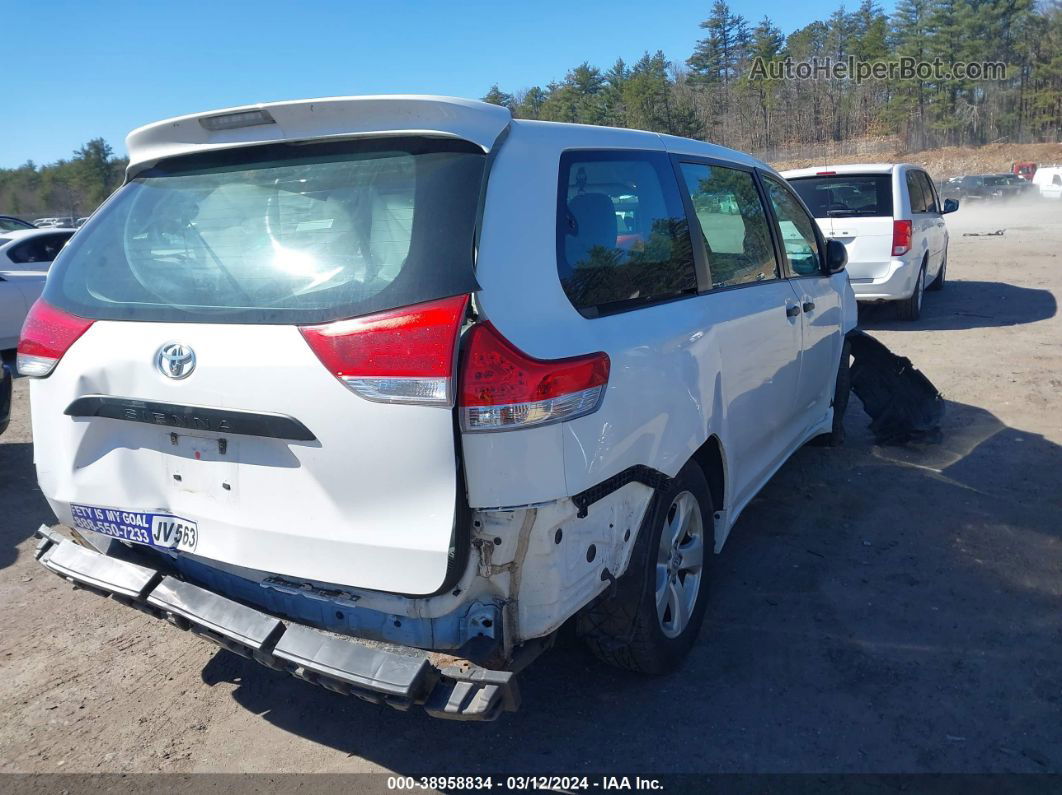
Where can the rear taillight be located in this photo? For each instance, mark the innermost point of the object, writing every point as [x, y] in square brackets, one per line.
[399, 356]
[503, 388]
[901, 237]
[47, 334]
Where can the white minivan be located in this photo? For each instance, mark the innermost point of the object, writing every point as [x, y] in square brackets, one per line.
[382, 391]
[1049, 180]
[890, 218]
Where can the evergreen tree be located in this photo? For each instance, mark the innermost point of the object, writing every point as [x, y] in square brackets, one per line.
[495, 96]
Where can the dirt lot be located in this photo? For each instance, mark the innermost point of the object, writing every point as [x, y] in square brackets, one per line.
[876, 609]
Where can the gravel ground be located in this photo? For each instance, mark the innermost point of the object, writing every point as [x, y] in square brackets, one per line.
[875, 609]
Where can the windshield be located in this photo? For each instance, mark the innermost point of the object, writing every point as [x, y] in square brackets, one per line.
[846, 195]
[279, 234]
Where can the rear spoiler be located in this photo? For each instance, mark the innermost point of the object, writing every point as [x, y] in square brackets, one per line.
[316, 119]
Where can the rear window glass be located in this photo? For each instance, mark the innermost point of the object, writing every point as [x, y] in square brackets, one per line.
[846, 195]
[279, 234]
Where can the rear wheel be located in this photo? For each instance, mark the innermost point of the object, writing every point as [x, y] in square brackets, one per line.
[911, 308]
[938, 283]
[651, 621]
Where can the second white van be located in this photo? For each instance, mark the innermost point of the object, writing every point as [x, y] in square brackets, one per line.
[891, 220]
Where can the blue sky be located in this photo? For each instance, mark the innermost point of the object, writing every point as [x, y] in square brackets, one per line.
[77, 70]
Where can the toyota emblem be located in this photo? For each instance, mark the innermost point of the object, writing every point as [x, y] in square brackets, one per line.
[175, 360]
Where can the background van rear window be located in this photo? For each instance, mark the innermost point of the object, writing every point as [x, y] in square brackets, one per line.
[846, 195]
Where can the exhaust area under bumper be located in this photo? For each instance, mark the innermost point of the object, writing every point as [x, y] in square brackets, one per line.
[401, 677]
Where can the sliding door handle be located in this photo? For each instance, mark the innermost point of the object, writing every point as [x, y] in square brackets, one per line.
[809, 305]
[792, 311]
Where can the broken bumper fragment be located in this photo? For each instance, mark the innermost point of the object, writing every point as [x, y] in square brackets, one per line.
[446, 686]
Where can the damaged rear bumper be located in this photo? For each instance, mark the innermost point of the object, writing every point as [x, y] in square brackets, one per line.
[401, 677]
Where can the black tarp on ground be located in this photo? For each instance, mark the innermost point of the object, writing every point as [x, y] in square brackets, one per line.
[902, 403]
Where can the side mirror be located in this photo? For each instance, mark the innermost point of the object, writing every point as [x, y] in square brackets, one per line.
[836, 256]
[950, 205]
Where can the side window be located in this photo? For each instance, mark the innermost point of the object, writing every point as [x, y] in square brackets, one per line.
[43, 248]
[622, 236]
[929, 191]
[1056, 180]
[737, 237]
[914, 190]
[797, 228]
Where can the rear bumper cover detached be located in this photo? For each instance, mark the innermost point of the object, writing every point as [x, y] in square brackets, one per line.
[446, 686]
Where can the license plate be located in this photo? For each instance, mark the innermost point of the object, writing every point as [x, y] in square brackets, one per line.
[162, 530]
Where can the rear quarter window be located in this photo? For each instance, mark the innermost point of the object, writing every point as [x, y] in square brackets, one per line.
[279, 234]
[916, 194]
[39, 248]
[623, 240]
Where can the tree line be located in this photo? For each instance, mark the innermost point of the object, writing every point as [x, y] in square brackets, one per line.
[717, 95]
[73, 187]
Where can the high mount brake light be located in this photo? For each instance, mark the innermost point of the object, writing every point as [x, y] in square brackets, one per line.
[901, 237]
[47, 334]
[503, 388]
[399, 356]
[234, 121]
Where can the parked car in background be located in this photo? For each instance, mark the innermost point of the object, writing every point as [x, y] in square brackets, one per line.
[1049, 182]
[31, 249]
[890, 219]
[65, 222]
[18, 291]
[25, 257]
[514, 372]
[1013, 186]
[1025, 169]
[5, 396]
[9, 223]
[986, 187]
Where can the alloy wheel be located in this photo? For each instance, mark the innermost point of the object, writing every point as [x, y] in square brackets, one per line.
[679, 564]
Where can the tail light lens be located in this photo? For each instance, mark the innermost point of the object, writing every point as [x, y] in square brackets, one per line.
[901, 237]
[47, 334]
[399, 356]
[503, 388]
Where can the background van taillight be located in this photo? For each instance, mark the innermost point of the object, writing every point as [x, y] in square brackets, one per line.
[504, 388]
[47, 334]
[901, 237]
[400, 356]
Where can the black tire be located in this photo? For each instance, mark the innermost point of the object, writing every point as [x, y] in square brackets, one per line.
[911, 308]
[835, 438]
[621, 627]
[938, 283]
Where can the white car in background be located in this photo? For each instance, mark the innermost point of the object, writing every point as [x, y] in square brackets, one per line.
[1049, 180]
[890, 218]
[31, 249]
[25, 257]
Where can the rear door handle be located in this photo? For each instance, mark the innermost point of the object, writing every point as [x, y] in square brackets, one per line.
[809, 305]
[792, 311]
